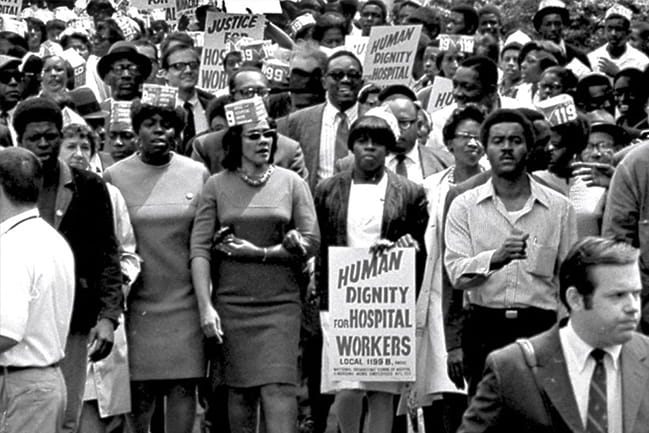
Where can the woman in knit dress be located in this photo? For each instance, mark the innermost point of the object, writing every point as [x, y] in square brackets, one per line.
[161, 190]
[255, 271]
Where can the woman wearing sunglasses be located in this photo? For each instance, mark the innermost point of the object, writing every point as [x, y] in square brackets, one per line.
[161, 190]
[254, 231]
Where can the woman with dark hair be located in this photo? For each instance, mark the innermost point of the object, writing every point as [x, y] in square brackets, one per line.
[366, 207]
[631, 93]
[77, 41]
[533, 60]
[442, 401]
[556, 80]
[36, 34]
[254, 230]
[165, 341]
[330, 30]
[448, 61]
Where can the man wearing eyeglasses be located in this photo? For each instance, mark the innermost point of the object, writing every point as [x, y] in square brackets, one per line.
[322, 129]
[124, 69]
[180, 64]
[11, 88]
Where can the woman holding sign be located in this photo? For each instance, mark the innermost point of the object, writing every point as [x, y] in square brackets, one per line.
[165, 341]
[254, 231]
[370, 207]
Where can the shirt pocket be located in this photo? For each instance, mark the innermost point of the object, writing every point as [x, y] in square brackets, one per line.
[541, 260]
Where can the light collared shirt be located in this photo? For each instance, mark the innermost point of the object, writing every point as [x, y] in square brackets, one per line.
[632, 58]
[412, 162]
[476, 226]
[365, 212]
[330, 122]
[580, 370]
[36, 291]
[200, 119]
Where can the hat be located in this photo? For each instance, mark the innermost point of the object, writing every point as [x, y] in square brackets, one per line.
[386, 114]
[620, 11]
[518, 37]
[551, 7]
[397, 89]
[123, 50]
[603, 121]
[86, 103]
[6, 61]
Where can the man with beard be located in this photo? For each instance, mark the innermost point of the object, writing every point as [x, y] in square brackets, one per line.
[124, 70]
[617, 53]
[550, 20]
[504, 242]
[10, 92]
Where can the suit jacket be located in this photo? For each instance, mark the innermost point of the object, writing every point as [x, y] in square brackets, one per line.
[508, 399]
[405, 211]
[83, 216]
[431, 162]
[204, 97]
[305, 126]
[208, 149]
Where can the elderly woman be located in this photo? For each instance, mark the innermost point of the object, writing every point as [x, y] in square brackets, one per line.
[254, 231]
[439, 397]
[161, 189]
[56, 77]
[369, 207]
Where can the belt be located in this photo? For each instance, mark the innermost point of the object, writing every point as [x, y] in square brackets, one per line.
[14, 369]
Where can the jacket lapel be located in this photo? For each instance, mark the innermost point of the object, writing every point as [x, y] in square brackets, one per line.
[64, 193]
[392, 204]
[344, 185]
[635, 378]
[553, 376]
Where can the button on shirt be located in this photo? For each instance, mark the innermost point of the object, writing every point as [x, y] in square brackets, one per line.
[413, 165]
[580, 370]
[476, 226]
[328, 137]
[36, 291]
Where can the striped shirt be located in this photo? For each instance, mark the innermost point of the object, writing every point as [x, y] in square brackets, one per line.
[327, 148]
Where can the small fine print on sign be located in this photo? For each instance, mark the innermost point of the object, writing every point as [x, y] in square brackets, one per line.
[558, 110]
[372, 315]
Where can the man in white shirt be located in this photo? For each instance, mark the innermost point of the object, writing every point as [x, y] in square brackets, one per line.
[36, 298]
[590, 374]
[617, 53]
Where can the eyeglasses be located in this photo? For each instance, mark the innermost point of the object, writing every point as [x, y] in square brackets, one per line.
[7, 76]
[466, 136]
[269, 133]
[181, 66]
[250, 92]
[120, 68]
[406, 123]
[339, 75]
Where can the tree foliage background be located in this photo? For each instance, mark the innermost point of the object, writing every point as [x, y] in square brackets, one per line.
[586, 28]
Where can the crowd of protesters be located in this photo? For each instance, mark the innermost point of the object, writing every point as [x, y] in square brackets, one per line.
[164, 266]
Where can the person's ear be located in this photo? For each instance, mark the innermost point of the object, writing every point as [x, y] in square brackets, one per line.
[575, 299]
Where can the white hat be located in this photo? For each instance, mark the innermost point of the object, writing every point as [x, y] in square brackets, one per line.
[386, 114]
[518, 37]
[618, 10]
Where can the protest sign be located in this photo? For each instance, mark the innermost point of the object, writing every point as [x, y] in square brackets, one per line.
[222, 31]
[11, 7]
[357, 45]
[168, 7]
[578, 68]
[254, 51]
[198, 38]
[78, 64]
[372, 309]
[120, 112]
[558, 109]
[254, 6]
[441, 94]
[276, 71]
[390, 54]
[187, 7]
[160, 96]
[12, 24]
[461, 43]
[245, 111]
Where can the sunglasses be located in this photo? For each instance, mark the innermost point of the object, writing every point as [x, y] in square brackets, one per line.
[339, 75]
[269, 133]
[6, 76]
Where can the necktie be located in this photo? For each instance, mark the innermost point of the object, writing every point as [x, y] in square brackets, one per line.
[401, 169]
[597, 421]
[342, 133]
[190, 130]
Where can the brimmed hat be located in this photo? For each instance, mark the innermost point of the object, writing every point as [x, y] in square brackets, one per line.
[603, 121]
[123, 50]
[551, 7]
[618, 11]
[86, 103]
[6, 61]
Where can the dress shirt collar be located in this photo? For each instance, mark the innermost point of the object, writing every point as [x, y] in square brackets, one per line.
[193, 100]
[581, 350]
[9, 223]
[330, 111]
[537, 193]
[412, 156]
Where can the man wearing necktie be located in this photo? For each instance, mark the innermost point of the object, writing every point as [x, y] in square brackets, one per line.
[590, 373]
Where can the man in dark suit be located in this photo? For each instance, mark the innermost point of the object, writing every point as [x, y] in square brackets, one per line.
[322, 129]
[181, 63]
[589, 375]
[550, 20]
[208, 148]
[77, 204]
